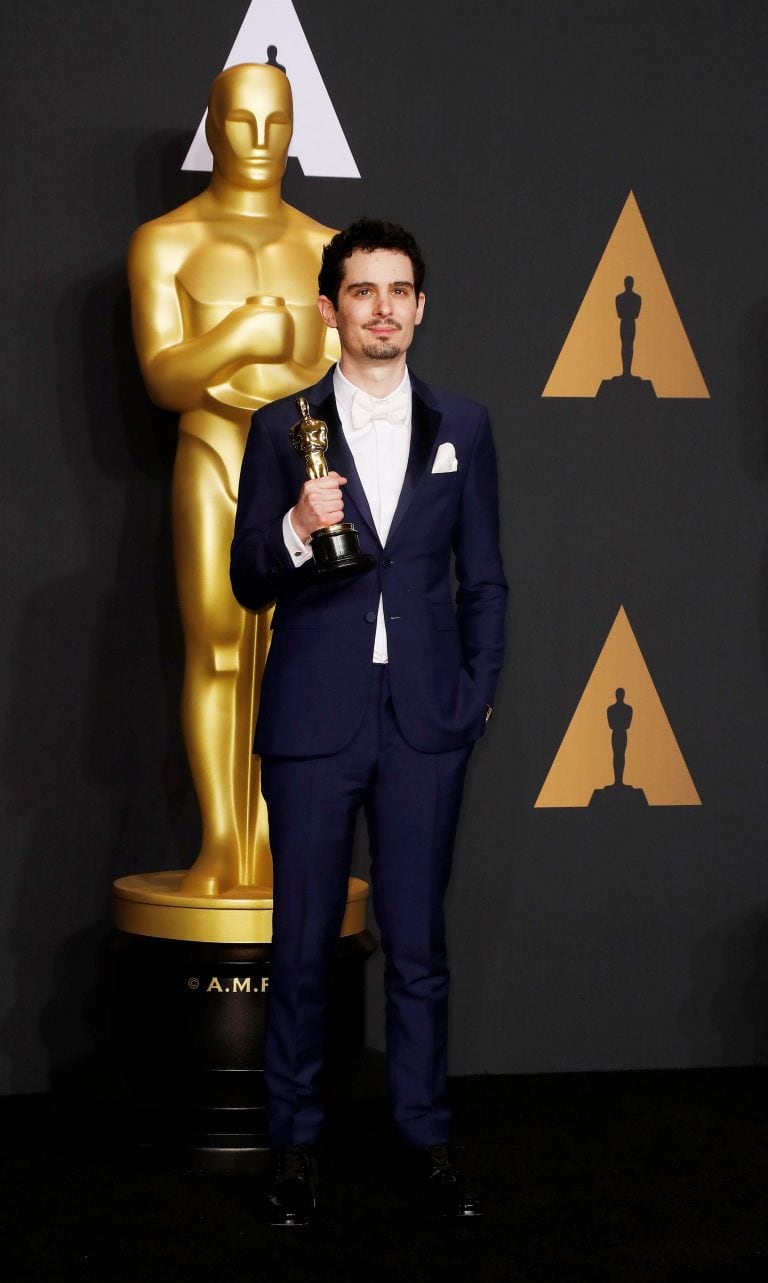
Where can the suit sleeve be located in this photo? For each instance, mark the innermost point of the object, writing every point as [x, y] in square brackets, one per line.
[482, 588]
[261, 568]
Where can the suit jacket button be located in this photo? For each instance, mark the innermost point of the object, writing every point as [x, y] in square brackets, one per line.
[387, 562]
[370, 617]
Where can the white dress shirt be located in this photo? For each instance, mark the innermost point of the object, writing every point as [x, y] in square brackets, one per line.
[378, 433]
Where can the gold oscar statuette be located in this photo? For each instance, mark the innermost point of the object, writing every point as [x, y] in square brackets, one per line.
[225, 320]
[336, 548]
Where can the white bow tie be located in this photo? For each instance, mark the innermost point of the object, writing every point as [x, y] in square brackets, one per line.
[391, 409]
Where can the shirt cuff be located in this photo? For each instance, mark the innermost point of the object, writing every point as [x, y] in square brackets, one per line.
[296, 547]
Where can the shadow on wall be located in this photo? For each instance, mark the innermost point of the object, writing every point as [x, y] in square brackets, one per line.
[753, 390]
[725, 1018]
[92, 756]
[161, 184]
[753, 418]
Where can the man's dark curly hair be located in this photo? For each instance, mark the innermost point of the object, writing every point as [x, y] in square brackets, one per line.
[367, 234]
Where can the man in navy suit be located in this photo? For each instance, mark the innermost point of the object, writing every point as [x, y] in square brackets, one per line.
[375, 689]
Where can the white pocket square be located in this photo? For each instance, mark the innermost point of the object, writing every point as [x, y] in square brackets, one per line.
[445, 459]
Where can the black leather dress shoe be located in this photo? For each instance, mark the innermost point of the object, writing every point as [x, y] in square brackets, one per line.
[440, 1186]
[291, 1187]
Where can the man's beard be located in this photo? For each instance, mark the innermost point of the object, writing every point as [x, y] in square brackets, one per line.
[381, 351]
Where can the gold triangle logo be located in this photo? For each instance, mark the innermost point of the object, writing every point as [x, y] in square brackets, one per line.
[619, 752]
[627, 339]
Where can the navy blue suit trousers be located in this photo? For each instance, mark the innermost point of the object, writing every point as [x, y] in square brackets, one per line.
[411, 801]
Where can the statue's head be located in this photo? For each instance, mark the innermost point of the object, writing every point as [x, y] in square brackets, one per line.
[620, 693]
[249, 124]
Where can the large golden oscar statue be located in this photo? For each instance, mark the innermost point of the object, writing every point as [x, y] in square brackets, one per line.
[223, 294]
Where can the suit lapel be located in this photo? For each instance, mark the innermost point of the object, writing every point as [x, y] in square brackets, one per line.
[425, 420]
[340, 459]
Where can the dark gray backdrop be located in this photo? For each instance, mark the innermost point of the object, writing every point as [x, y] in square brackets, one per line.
[506, 136]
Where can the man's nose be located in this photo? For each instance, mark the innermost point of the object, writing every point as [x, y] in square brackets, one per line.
[383, 304]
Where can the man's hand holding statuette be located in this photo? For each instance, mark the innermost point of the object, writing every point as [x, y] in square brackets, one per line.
[319, 504]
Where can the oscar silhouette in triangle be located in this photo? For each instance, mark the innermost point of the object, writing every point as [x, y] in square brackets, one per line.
[272, 58]
[586, 758]
[628, 305]
[619, 794]
[657, 346]
[627, 385]
[619, 720]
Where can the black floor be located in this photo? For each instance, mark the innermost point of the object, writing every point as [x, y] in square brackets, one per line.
[600, 1177]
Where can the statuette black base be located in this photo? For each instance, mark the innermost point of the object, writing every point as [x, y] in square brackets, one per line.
[336, 550]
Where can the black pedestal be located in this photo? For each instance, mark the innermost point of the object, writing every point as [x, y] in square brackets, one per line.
[184, 1069]
[619, 799]
[626, 390]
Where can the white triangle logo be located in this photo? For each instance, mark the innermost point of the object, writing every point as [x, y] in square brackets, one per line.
[318, 141]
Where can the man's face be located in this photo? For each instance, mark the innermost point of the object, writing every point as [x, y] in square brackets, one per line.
[250, 128]
[378, 308]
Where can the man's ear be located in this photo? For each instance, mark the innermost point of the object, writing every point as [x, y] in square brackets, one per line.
[420, 302]
[327, 311]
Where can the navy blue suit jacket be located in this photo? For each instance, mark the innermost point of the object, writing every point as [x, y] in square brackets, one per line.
[444, 651]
